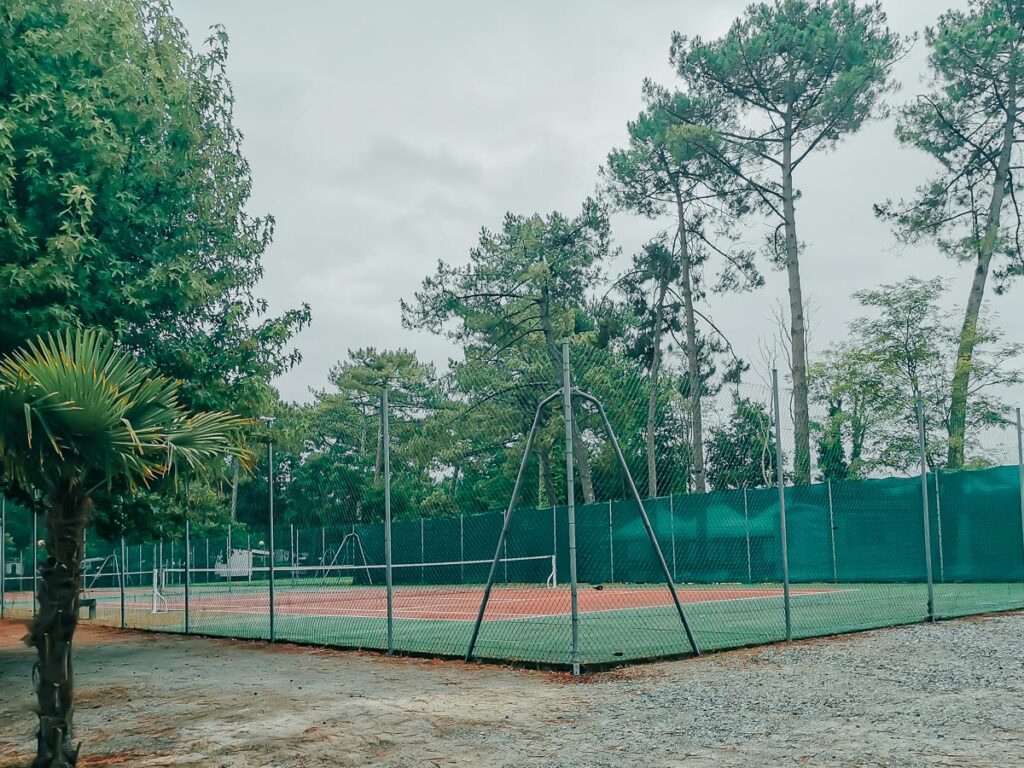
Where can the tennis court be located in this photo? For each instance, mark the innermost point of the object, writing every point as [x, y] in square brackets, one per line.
[531, 622]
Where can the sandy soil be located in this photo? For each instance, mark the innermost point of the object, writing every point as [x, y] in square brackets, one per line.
[941, 695]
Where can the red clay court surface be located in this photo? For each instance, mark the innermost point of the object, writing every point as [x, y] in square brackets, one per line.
[451, 604]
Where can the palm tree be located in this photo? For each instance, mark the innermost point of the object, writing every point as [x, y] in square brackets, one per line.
[81, 420]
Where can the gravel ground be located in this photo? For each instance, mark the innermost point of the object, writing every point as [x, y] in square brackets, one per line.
[947, 694]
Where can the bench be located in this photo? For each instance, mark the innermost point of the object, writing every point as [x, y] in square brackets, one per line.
[90, 603]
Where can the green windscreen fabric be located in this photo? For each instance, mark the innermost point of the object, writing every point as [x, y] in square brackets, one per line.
[856, 560]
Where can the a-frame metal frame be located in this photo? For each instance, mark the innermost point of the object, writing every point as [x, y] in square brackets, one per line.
[567, 393]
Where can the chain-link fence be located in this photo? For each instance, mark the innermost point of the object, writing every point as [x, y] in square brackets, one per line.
[650, 523]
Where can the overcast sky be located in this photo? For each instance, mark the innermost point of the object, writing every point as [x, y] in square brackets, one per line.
[383, 135]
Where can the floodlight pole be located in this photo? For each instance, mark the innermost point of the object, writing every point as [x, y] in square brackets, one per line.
[386, 440]
[270, 509]
[570, 501]
[924, 509]
[780, 480]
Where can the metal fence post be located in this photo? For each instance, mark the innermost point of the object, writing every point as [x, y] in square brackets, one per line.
[462, 549]
[832, 531]
[188, 576]
[35, 562]
[291, 550]
[423, 556]
[781, 482]
[1020, 472]
[554, 533]
[124, 574]
[3, 555]
[672, 532]
[924, 509]
[611, 543]
[746, 533]
[386, 439]
[570, 494]
[270, 514]
[938, 525]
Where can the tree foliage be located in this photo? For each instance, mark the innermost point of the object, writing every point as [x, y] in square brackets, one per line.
[81, 420]
[969, 122]
[793, 77]
[123, 193]
[905, 351]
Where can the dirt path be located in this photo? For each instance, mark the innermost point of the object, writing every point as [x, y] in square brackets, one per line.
[941, 695]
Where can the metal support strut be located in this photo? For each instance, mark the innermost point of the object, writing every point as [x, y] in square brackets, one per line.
[566, 396]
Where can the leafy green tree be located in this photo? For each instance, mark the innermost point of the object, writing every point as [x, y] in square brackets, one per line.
[905, 351]
[80, 419]
[123, 193]
[741, 453]
[848, 380]
[970, 122]
[667, 167]
[803, 74]
[522, 287]
[831, 452]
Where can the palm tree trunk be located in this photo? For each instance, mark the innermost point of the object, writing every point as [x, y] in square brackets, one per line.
[969, 330]
[53, 630]
[797, 327]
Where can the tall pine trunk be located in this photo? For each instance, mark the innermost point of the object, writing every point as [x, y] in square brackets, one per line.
[797, 328]
[546, 478]
[969, 330]
[652, 395]
[692, 354]
[53, 629]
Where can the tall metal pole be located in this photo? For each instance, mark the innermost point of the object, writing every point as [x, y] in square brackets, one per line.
[1020, 472]
[924, 510]
[570, 496]
[672, 533]
[746, 532]
[780, 481]
[188, 575]
[832, 531]
[938, 526]
[631, 486]
[124, 572]
[386, 439]
[35, 561]
[611, 544]
[270, 514]
[516, 488]
[234, 513]
[3, 555]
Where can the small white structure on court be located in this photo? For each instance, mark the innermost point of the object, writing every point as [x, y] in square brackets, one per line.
[238, 566]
